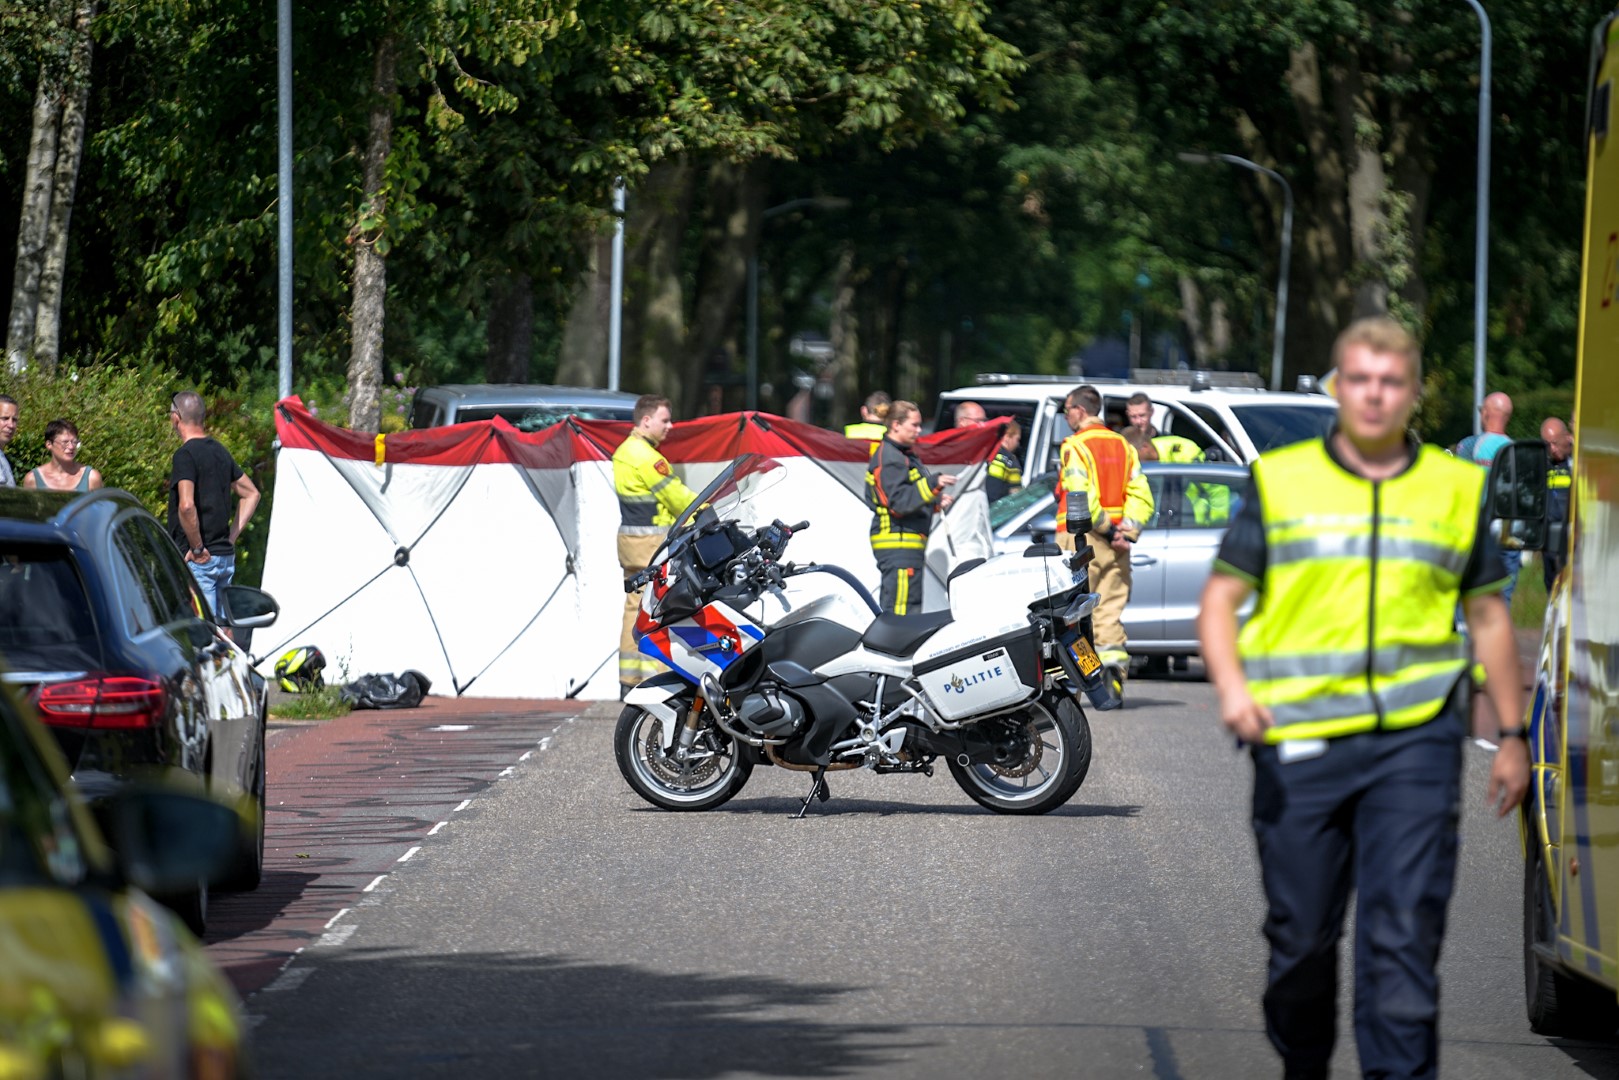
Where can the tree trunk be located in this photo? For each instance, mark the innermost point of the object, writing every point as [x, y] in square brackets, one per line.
[844, 333]
[510, 330]
[655, 314]
[34, 226]
[65, 180]
[1319, 289]
[369, 232]
[1361, 136]
[584, 333]
[1192, 319]
[735, 202]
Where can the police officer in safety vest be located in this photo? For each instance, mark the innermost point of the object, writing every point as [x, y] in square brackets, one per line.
[903, 495]
[1349, 684]
[650, 497]
[1559, 483]
[1103, 497]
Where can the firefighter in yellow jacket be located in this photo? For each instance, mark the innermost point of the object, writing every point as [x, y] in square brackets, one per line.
[903, 496]
[1102, 495]
[650, 497]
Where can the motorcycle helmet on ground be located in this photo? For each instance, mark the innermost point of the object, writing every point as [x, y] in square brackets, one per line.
[299, 669]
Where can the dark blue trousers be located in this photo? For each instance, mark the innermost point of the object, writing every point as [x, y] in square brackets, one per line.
[1376, 813]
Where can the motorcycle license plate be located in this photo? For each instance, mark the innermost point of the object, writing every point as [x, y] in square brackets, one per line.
[1085, 656]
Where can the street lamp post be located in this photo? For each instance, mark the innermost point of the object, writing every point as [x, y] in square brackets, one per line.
[820, 202]
[1481, 227]
[283, 203]
[1279, 334]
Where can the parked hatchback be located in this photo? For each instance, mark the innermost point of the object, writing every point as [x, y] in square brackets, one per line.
[1193, 502]
[96, 979]
[107, 635]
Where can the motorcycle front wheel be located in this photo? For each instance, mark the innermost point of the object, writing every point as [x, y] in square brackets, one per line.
[1056, 758]
[712, 773]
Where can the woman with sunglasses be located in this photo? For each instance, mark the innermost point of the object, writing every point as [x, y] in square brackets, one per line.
[64, 471]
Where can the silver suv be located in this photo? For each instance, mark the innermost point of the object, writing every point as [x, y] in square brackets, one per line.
[524, 406]
[1228, 414]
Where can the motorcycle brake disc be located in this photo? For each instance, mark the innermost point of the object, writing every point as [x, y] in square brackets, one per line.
[1034, 749]
[670, 771]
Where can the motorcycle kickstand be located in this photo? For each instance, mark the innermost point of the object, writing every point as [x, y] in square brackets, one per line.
[817, 788]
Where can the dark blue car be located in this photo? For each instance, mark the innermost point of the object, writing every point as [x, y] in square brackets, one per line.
[106, 634]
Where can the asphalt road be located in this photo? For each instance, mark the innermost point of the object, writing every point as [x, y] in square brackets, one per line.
[558, 926]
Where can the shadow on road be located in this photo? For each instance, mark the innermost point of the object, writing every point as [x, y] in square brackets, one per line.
[836, 806]
[483, 1014]
[230, 915]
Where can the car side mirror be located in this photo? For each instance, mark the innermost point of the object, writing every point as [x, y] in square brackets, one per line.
[246, 607]
[167, 840]
[1515, 493]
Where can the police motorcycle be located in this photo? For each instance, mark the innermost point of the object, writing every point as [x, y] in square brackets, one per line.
[793, 666]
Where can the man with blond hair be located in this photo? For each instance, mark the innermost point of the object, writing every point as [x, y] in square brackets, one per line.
[1349, 685]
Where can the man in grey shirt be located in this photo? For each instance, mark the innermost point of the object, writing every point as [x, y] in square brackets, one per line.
[8, 428]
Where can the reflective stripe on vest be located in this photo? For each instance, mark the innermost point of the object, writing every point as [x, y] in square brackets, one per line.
[1355, 628]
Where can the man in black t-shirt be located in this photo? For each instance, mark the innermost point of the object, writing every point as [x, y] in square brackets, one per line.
[201, 479]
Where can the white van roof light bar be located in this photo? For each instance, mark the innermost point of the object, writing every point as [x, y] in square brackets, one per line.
[1201, 378]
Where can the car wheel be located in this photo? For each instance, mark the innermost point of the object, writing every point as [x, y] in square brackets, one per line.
[192, 907]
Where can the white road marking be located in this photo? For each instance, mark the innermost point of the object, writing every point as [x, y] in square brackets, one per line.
[437, 827]
[526, 753]
[334, 938]
[507, 771]
[374, 883]
[334, 918]
[464, 804]
[545, 743]
[289, 979]
[451, 727]
[406, 856]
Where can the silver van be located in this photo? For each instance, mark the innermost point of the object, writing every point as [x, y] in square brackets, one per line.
[527, 407]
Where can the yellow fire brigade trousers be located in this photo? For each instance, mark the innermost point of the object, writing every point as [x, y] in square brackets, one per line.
[635, 550]
[1110, 580]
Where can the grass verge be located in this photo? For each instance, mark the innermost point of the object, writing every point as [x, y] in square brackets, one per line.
[323, 703]
[1529, 599]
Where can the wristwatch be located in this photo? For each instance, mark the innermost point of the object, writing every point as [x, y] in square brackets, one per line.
[1519, 732]
[199, 550]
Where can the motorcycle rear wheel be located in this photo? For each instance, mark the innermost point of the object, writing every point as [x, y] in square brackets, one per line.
[653, 773]
[1059, 757]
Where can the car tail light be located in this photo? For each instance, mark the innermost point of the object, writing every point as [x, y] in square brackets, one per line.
[103, 701]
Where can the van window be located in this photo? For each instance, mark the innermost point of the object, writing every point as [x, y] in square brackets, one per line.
[1216, 423]
[1272, 426]
[538, 417]
[424, 413]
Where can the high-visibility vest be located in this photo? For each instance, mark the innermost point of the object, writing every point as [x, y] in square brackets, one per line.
[650, 496]
[866, 429]
[1097, 462]
[1177, 448]
[1356, 624]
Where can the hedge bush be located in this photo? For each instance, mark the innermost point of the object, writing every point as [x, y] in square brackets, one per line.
[123, 419]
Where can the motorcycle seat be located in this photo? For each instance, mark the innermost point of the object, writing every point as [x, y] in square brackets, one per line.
[899, 635]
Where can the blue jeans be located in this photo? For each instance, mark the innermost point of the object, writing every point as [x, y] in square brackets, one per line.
[212, 576]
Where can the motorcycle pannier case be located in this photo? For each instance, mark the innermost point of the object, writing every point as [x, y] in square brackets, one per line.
[990, 675]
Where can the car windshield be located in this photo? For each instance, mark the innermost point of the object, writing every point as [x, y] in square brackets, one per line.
[1011, 505]
[1273, 426]
[539, 417]
[46, 622]
[726, 495]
